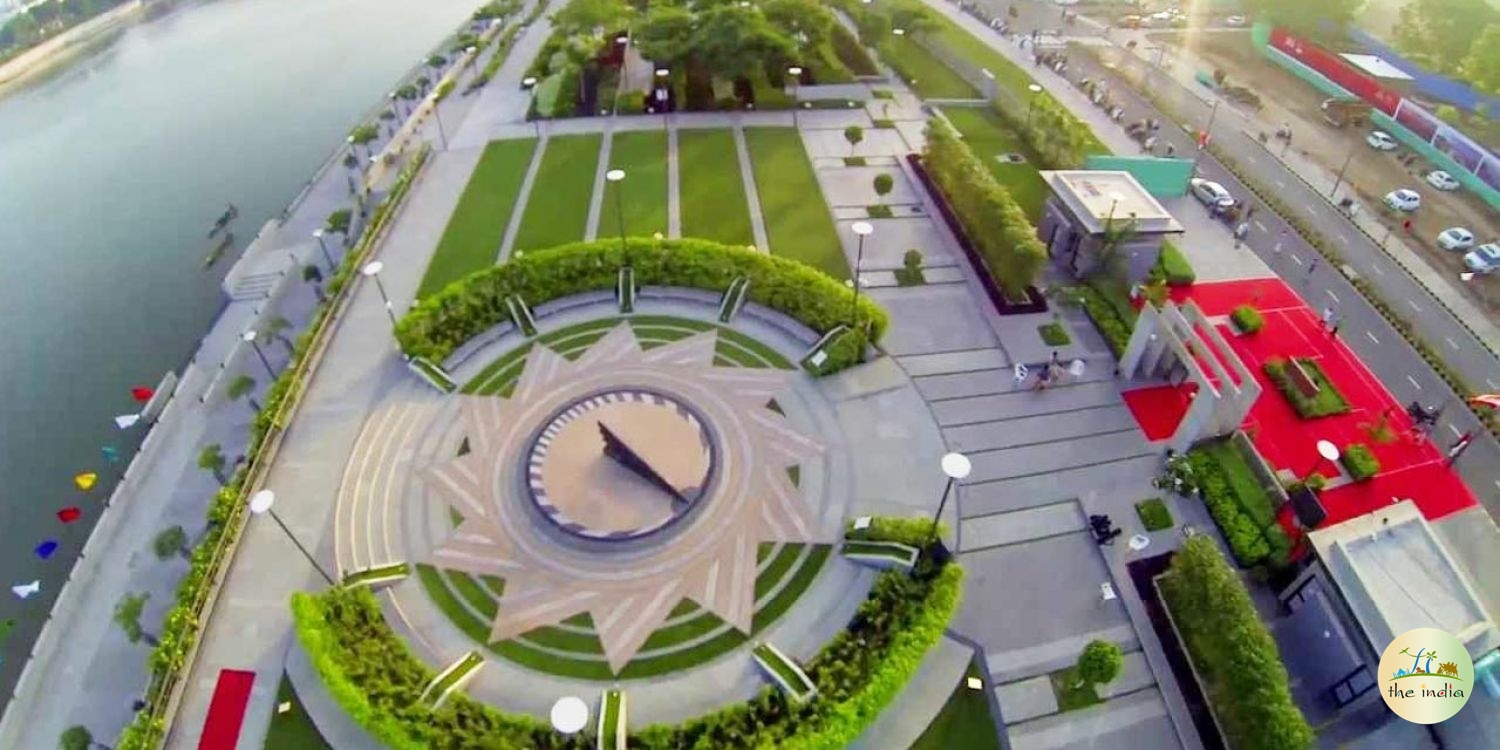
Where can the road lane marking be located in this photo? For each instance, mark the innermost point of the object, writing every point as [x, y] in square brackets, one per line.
[1414, 382]
[1456, 433]
[1497, 482]
[1331, 294]
[1372, 338]
[1260, 226]
[1343, 239]
[1250, 159]
[1296, 260]
[1451, 343]
[1414, 306]
[1312, 211]
[1377, 270]
[1281, 184]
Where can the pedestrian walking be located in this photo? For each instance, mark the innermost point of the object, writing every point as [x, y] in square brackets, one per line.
[1327, 317]
[1280, 238]
[1242, 229]
[1043, 378]
[1312, 266]
[1333, 330]
[1406, 226]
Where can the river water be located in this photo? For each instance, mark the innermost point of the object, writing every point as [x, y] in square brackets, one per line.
[110, 173]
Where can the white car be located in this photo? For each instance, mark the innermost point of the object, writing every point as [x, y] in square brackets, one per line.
[1235, 21]
[1484, 259]
[1442, 180]
[1381, 141]
[1210, 193]
[1403, 200]
[1455, 238]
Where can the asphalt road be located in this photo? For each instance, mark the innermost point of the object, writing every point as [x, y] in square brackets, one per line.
[1393, 361]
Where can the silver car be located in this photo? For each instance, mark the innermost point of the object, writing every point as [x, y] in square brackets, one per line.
[1210, 193]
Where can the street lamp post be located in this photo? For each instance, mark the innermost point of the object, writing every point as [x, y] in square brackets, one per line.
[796, 73]
[661, 93]
[956, 466]
[1031, 102]
[260, 504]
[318, 235]
[249, 338]
[372, 271]
[437, 116]
[1339, 180]
[861, 229]
[1207, 132]
[529, 83]
[1327, 451]
[615, 177]
[624, 41]
[569, 715]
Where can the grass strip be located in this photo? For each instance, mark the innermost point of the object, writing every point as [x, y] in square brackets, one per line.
[926, 74]
[798, 225]
[989, 137]
[711, 189]
[476, 228]
[294, 729]
[557, 210]
[965, 721]
[643, 193]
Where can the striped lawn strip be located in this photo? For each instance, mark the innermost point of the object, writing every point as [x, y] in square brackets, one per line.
[472, 592]
[643, 192]
[785, 558]
[798, 224]
[712, 191]
[557, 211]
[794, 589]
[475, 230]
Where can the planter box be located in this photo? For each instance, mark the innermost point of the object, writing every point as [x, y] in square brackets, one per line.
[380, 575]
[785, 673]
[1187, 654]
[454, 677]
[610, 732]
[881, 554]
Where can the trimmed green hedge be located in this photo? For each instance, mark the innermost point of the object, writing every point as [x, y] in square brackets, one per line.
[1175, 268]
[995, 223]
[910, 531]
[374, 677]
[470, 306]
[1106, 316]
[1326, 402]
[1245, 538]
[1232, 650]
[1247, 319]
[1361, 463]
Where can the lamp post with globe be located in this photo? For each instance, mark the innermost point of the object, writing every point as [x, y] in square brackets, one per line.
[261, 504]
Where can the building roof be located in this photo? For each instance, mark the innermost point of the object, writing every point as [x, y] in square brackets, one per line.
[1396, 576]
[1162, 178]
[1096, 197]
[1375, 66]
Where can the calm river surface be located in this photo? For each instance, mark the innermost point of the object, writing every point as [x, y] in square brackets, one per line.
[110, 174]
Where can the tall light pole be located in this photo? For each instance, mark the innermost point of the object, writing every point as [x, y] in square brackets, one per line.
[615, 177]
[372, 270]
[249, 338]
[1340, 179]
[318, 235]
[529, 83]
[624, 41]
[1031, 102]
[662, 94]
[796, 73]
[861, 229]
[437, 116]
[261, 504]
[956, 466]
[1207, 132]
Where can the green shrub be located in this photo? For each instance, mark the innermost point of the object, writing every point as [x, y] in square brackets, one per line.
[882, 123]
[1154, 514]
[994, 222]
[854, 161]
[1247, 319]
[1105, 315]
[1175, 268]
[845, 350]
[910, 273]
[1326, 402]
[1232, 650]
[1359, 461]
[444, 321]
[1054, 334]
[909, 531]
[1280, 544]
[1244, 537]
[851, 53]
[1100, 663]
[880, 211]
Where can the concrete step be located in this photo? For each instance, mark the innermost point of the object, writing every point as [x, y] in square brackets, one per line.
[1021, 526]
[1015, 494]
[1024, 403]
[1019, 664]
[1044, 458]
[1105, 725]
[1045, 428]
[1026, 699]
[967, 360]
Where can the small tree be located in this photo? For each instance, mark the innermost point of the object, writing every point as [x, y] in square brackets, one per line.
[78, 737]
[313, 275]
[363, 134]
[277, 328]
[338, 221]
[436, 61]
[241, 387]
[884, 183]
[211, 458]
[1100, 663]
[854, 134]
[171, 541]
[128, 617]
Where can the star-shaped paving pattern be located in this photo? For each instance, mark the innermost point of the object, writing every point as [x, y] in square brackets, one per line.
[629, 591]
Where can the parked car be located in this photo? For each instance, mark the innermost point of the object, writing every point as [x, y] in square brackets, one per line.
[1404, 199]
[1455, 238]
[1210, 193]
[1442, 180]
[1235, 21]
[1484, 259]
[1381, 141]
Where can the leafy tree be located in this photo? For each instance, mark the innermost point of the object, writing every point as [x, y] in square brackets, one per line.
[351, 162]
[407, 92]
[854, 134]
[1321, 19]
[1100, 663]
[241, 387]
[363, 134]
[666, 38]
[807, 21]
[735, 41]
[884, 183]
[313, 275]
[277, 327]
[171, 541]
[78, 737]
[593, 17]
[436, 61]
[1481, 67]
[128, 617]
[211, 458]
[1439, 33]
[338, 221]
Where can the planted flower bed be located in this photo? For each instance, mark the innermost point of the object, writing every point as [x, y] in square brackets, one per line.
[1360, 462]
[793, 681]
[1305, 385]
[881, 553]
[612, 721]
[380, 574]
[452, 678]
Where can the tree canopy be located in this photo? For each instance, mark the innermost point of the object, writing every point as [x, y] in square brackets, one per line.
[592, 17]
[1481, 67]
[1308, 19]
[1440, 34]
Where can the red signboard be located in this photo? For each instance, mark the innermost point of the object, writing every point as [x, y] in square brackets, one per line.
[1335, 69]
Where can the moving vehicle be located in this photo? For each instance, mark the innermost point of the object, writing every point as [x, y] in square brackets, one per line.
[1210, 193]
[1484, 259]
[1235, 21]
[1381, 141]
[1442, 180]
[1340, 112]
[1455, 238]
[1404, 199]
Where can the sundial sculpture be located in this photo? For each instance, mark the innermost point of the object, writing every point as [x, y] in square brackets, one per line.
[617, 449]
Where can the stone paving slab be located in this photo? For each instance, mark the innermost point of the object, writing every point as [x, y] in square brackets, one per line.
[896, 448]
[914, 133]
[855, 186]
[1021, 526]
[1044, 428]
[1048, 457]
[903, 107]
[1059, 653]
[931, 276]
[831, 143]
[976, 360]
[1135, 721]
[1024, 401]
[1209, 247]
[934, 319]
[1026, 699]
[886, 247]
[1021, 337]
[1014, 494]
[1134, 676]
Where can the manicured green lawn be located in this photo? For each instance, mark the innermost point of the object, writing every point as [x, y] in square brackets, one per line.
[965, 722]
[926, 74]
[989, 137]
[477, 227]
[712, 191]
[292, 730]
[557, 211]
[643, 156]
[798, 223]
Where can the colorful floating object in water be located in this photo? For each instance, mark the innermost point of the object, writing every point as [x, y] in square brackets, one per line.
[141, 393]
[26, 589]
[124, 421]
[110, 454]
[69, 514]
[86, 480]
[46, 549]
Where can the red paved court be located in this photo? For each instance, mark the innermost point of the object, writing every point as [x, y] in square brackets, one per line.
[1409, 469]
